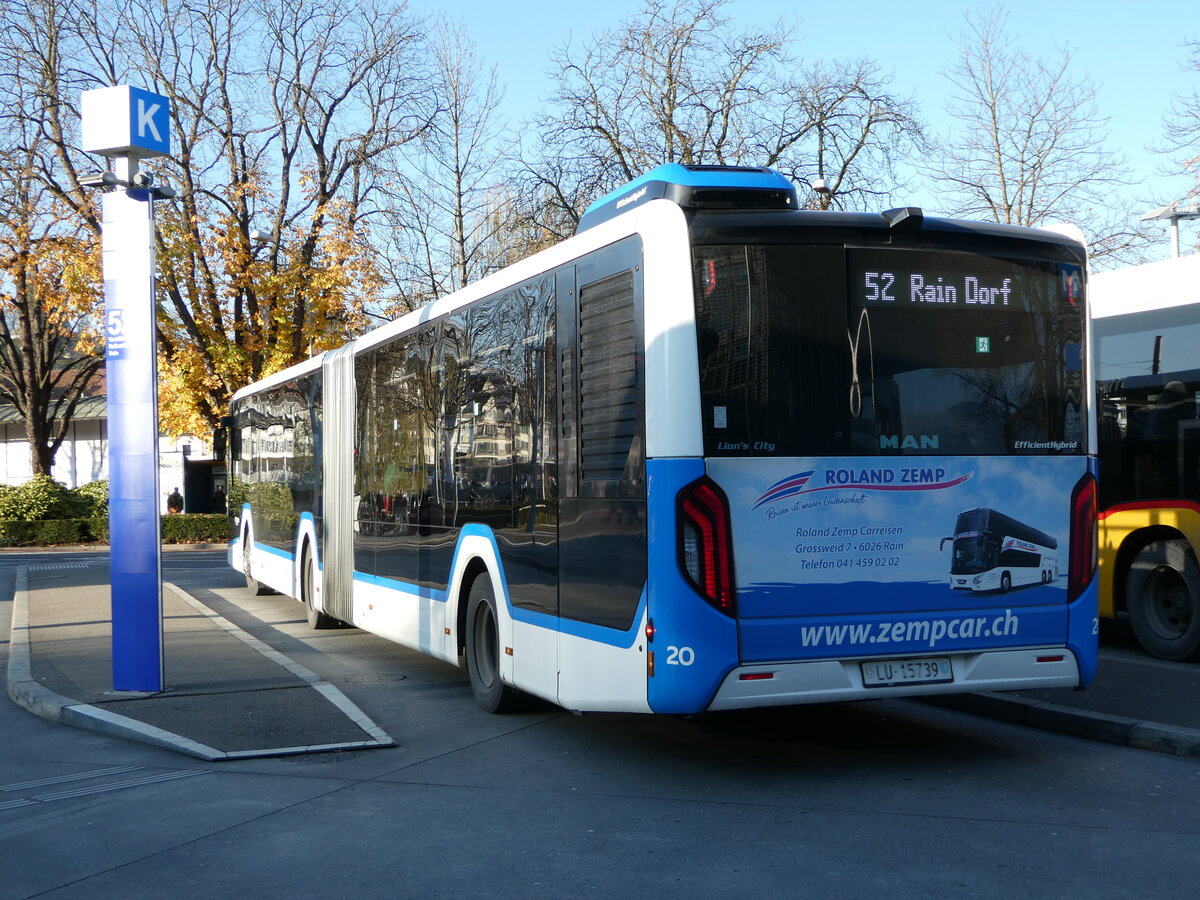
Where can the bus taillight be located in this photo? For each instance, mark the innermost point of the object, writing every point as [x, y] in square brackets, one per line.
[1085, 549]
[706, 542]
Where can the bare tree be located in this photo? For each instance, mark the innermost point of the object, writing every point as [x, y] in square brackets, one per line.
[282, 113]
[447, 200]
[49, 257]
[49, 286]
[855, 133]
[678, 83]
[1182, 125]
[1030, 148]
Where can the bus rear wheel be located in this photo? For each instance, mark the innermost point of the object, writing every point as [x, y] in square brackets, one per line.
[317, 619]
[1162, 595]
[483, 649]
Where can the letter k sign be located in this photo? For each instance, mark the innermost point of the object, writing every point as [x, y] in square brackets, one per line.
[125, 121]
[149, 120]
[145, 119]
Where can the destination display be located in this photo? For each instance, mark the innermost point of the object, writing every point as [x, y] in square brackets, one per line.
[914, 279]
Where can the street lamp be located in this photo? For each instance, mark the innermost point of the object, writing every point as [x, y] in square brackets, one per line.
[823, 191]
[1174, 212]
[137, 179]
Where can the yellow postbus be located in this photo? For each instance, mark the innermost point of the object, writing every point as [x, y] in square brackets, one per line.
[1146, 335]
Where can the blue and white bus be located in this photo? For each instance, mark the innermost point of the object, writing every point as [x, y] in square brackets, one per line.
[699, 456]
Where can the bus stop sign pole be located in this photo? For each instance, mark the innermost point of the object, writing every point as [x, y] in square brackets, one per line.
[128, 124]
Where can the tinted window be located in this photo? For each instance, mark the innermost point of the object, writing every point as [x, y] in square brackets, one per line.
[278, 467]
[497, 405]
[1149, 419]
[395, 460]
[452, 428]
[819, 350]
[611, 455]
[1150, 438]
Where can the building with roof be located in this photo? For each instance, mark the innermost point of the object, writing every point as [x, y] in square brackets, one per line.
[184, 463]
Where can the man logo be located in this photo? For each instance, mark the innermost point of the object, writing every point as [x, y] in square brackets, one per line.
[908, 442]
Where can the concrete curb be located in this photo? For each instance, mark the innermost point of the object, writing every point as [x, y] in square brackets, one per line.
[22, 689]
[1095, 726]
[29, 694]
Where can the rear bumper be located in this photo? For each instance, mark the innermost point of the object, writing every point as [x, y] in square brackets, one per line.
[824, 681]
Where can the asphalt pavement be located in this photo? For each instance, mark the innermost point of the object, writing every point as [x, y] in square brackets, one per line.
[229, 696]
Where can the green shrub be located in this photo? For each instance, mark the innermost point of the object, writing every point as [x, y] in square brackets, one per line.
[91, 499]
[14, 533]
[98, 528]
[196, 529]
[39, 498]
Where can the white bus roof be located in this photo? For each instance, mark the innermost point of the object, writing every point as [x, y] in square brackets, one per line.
[1157, 285]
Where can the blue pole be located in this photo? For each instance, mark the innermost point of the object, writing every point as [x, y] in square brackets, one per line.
[134, 523]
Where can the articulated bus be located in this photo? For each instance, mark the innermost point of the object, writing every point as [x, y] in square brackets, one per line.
[699, 456]
[1146, 323]
[993, 552]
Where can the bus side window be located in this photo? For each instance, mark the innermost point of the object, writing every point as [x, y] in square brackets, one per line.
[610, 414]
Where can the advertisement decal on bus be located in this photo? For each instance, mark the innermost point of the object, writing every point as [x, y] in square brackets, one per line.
[845, 528]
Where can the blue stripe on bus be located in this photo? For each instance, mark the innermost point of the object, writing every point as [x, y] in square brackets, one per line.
[598, 633]
[585, 630]
[401, 587]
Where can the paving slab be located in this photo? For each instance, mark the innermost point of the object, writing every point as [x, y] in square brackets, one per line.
[227, 695]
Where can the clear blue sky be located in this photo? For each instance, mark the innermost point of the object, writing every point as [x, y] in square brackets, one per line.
[1133, 52]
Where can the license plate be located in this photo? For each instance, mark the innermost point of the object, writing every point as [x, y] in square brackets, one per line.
[921, 670]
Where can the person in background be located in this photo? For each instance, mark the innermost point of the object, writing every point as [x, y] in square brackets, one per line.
[175, 502]
[218, 501]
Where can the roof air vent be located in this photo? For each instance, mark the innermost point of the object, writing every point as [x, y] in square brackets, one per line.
[906, 218]
[698, 187]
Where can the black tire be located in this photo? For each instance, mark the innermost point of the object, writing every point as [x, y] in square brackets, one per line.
[1005, 583]
[483, 650]
[1162, 595]
[317, 619]
[257, 588]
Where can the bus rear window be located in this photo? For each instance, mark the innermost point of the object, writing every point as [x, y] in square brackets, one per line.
[826, 350]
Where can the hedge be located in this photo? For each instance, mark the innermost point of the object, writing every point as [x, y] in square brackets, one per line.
[192, 528]
[180, 529]
[46, 532]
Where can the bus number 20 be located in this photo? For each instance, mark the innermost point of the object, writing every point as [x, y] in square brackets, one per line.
[680, 656]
